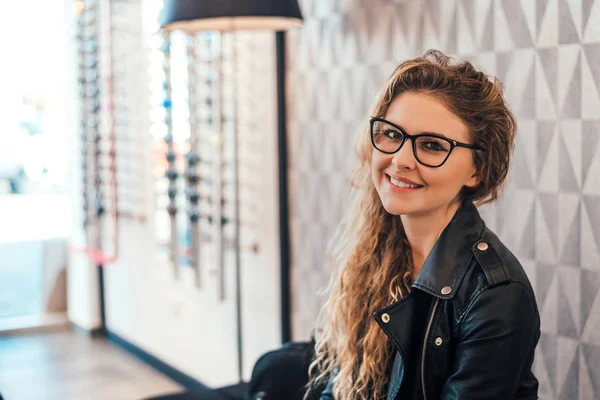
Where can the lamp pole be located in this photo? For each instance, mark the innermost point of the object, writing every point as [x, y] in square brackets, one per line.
[284, 229]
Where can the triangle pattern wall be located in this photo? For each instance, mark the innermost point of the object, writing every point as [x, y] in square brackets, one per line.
[547, 52]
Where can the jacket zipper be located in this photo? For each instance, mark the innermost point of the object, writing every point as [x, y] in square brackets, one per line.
[435, 305]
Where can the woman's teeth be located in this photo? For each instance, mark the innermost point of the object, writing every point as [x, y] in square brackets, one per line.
[402, 184]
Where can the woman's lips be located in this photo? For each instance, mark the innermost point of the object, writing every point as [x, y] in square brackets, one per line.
[400, 189]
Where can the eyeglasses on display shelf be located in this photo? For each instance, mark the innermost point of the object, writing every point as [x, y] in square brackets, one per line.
[125, 29]
[193, 160]
[171, 172]
[87, 39]
[202, 129]
[99, 124]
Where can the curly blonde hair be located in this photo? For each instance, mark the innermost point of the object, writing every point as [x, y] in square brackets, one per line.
[371, 256]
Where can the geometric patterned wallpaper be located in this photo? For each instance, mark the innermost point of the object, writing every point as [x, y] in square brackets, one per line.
[547, 53]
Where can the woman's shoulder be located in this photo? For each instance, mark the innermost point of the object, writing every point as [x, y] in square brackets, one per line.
[497, 262]
[495, 271]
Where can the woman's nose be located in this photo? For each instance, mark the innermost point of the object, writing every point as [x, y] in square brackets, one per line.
[405, 158]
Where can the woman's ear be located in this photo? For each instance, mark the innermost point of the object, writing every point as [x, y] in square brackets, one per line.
[473, 181]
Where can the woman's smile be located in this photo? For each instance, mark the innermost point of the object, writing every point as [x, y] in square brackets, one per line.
[402, 185]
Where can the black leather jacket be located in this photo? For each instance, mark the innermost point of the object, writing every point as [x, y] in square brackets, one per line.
[482, 326]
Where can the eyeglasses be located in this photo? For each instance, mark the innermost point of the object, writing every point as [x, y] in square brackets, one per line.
[429, 149]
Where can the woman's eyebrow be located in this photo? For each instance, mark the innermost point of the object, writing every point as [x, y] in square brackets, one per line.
[422, 133]
[436, 134]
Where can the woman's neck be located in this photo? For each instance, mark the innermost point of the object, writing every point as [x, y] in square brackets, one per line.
[423, 231]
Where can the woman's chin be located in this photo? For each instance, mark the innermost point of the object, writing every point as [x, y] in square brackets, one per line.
[398, 209]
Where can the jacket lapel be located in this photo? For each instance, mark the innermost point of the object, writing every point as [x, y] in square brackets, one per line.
[451, 255]
[396, 321]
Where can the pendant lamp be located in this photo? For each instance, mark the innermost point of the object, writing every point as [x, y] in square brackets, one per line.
[230, 15]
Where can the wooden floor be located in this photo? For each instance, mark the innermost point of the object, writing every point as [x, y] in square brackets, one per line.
[67, 365]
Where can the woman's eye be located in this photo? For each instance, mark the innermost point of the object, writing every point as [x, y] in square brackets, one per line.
[392, 135]
[433, 145]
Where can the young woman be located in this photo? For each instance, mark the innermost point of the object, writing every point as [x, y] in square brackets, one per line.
[425, 302]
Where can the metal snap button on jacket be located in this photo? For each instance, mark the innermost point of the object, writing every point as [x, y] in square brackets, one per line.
[483, 246]
[438, 341]
[446, 290]
[385, 318]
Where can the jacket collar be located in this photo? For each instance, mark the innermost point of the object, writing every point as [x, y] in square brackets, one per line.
[451, 255]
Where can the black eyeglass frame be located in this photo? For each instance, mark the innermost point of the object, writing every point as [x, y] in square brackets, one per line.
[413, 138]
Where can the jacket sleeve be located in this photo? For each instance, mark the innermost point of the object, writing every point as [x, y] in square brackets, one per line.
[327, 394]
[496, 345]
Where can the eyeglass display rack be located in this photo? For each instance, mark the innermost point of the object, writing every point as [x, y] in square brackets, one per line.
[124, 54]
[200, 187]
[202, 167]
[110, 159]
[87, 37]
[191, 159]
[171, 173]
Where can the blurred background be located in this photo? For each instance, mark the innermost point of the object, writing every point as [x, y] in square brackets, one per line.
[166, 195]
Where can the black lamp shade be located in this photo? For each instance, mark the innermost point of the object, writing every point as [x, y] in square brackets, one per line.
[228, 15]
